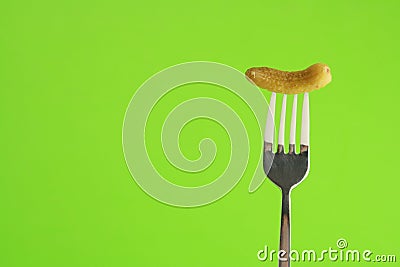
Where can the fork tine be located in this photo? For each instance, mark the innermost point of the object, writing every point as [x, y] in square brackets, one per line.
[269, 127]
[305, 125]
[268, 145]
[281, 138]
[292, 142]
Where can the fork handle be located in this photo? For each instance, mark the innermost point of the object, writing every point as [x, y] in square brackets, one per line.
[285, 229]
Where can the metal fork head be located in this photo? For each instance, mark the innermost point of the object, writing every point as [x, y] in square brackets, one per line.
[287, 169]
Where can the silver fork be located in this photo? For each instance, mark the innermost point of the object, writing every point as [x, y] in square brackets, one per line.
[287, 169]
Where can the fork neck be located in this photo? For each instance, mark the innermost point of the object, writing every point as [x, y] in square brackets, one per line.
[286, 201]
[286, 191]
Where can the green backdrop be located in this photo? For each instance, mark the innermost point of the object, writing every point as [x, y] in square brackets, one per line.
[68, 70]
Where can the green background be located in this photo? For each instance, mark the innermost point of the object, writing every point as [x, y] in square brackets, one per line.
[68, 70]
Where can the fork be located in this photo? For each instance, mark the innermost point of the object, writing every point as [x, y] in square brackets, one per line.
[286, 170]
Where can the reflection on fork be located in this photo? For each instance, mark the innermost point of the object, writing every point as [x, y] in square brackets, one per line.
[286, 170]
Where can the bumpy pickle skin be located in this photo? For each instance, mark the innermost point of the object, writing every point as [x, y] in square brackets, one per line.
[291, 82]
